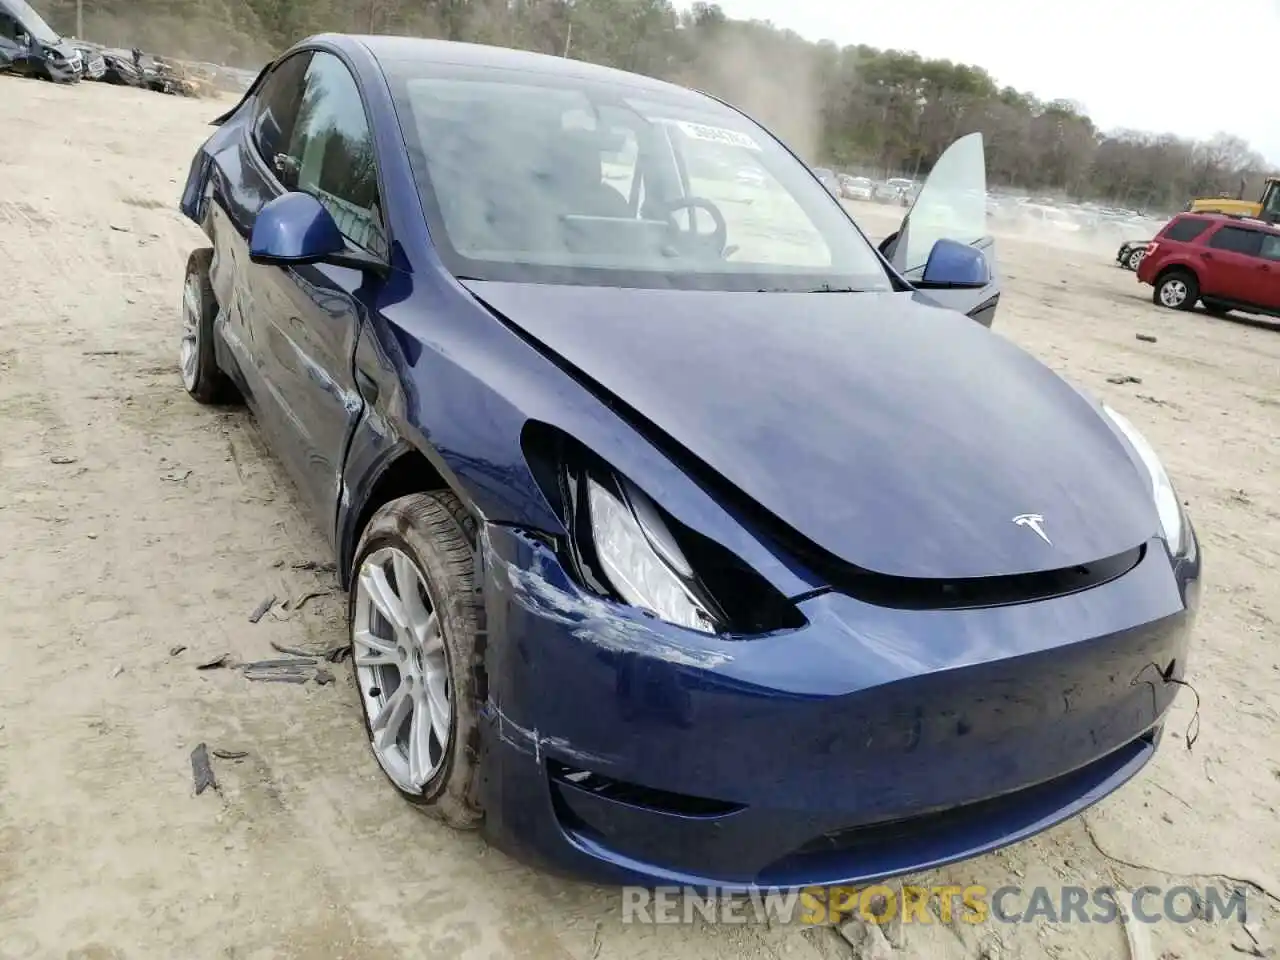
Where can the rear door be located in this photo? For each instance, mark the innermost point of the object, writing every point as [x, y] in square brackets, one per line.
[952, 205]
[1236, 270]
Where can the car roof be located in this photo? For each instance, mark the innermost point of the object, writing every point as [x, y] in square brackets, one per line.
[1227, 218]
[390, 49]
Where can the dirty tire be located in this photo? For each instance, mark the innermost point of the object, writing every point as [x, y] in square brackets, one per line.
[438, 534]
[1166, 290]
[204, 381]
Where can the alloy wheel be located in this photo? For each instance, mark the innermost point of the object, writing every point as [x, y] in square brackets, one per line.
[189, 353]
[1173, 293]
[1135, 258]
[402, 668]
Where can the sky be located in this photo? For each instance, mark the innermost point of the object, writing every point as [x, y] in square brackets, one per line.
[1189, 67]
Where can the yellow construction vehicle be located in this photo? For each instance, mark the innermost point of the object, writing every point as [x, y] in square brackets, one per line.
[1268, 208]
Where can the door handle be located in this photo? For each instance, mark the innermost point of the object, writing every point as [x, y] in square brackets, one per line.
[1208, 256]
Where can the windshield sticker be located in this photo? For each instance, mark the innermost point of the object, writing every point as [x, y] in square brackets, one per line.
[709, 134]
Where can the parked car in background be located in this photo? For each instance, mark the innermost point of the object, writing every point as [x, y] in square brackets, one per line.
[856, 188]
[1131, 253]
[1039, 215]
[1225, 262]
[30, 47]
[894, 190]
[105, 64]
[828, 179]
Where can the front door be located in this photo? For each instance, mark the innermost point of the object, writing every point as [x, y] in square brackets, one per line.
[306, 342]
[1269, 288]
[952, 205]
[1236, 270]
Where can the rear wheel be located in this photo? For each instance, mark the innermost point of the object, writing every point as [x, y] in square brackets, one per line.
[418, 652]
[1177, 290]
[196, 358]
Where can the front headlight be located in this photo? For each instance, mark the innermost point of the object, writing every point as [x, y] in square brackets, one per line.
[640, 557]
[619, 544]
[1166, 499]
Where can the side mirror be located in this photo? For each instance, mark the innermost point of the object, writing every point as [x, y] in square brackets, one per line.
[296, 229]
[955, 265]
[24, 40]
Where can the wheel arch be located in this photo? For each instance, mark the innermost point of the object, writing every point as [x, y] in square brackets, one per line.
[404, 470]
[1177, 266]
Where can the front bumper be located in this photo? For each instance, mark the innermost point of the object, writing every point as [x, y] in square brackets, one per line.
[871, 742]
[69, 71]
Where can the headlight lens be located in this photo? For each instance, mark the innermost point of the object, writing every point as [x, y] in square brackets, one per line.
[1166, 499]
[641, 558]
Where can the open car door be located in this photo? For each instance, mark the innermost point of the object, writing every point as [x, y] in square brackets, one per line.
[951, 207]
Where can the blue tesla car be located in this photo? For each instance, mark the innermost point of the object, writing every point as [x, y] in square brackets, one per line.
[690, 537]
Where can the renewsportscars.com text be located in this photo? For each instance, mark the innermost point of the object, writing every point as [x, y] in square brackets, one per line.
[974, 904]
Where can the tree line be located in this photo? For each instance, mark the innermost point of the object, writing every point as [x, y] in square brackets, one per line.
[880, 112]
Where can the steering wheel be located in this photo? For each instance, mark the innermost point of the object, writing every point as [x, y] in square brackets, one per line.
[716, 240]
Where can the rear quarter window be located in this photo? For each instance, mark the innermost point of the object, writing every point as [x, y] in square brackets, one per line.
[1186, 229]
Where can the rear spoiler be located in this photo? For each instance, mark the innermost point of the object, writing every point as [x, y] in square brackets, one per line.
[253, 88]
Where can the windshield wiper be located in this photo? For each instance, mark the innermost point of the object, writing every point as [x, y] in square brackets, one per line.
[825, 288]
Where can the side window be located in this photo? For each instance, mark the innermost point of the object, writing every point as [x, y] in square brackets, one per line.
[333, 147]
[277, 108]
[1271, 205]
[1186, 229]
[8, 27]
[1271, 246]
[1238, 240]
[619, 168]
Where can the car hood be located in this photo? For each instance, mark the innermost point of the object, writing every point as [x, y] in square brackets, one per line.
[899, 437]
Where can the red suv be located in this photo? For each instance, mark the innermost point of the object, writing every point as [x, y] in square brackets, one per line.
[1228, 263]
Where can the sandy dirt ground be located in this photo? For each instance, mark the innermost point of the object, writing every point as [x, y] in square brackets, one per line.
[138, 531]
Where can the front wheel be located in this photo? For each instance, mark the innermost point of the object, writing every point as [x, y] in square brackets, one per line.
[1134, 260]
[1177, 290]
[418, 652]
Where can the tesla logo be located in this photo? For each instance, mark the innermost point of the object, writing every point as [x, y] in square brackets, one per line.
[1033, 522]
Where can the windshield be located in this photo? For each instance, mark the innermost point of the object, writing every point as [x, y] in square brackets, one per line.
[31, 21]
[1271, 201]
[543, 178]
